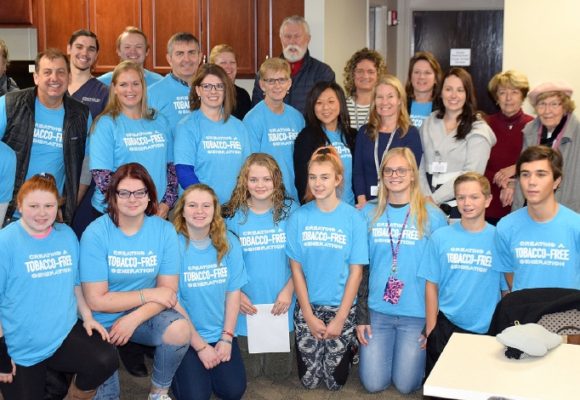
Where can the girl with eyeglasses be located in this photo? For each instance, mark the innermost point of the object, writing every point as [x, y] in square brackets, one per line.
[129, 272]
[399, 226]
[210, 143]
[274, 125]
[129, 131]
[327, 123]
[258, 213]
[327, 247]
[212, 273]
[40, 296]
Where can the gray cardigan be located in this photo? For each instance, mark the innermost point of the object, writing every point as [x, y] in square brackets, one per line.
[567, 193]
[469, 154]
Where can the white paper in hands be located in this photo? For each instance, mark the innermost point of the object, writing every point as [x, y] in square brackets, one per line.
[268, 333]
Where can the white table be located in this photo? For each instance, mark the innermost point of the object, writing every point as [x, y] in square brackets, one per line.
[474, 367]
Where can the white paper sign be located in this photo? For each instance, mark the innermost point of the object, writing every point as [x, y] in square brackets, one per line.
[460, 58]
[268, 333]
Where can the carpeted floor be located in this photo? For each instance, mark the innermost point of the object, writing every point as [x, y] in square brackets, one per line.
[291, 389]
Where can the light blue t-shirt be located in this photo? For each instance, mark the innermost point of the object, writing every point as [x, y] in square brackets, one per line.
[217, 150]
[150, 77]
[540, 254]
[203, 285]
[411, 249]
[275, 134]
[346, 158]
[7, 173]
[459, 263]
[171, 98]
[46, 152]
[326, 244]
[115, 142]
[420, 112]
[127, 262]
[263, 243]
[38, 307]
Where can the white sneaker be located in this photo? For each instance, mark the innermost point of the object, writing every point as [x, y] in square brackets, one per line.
[158, 396]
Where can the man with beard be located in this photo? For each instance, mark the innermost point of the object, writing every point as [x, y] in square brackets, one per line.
[305, 70]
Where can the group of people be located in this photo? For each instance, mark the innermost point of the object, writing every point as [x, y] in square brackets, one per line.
[359, 214]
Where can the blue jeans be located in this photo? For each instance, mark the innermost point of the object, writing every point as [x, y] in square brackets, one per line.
[194, 382]
[165, 361]
[393, 354]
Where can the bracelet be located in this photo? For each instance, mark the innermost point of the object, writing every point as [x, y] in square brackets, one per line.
[141, 296]
[225, 341]
[202, 349]
[230, 334]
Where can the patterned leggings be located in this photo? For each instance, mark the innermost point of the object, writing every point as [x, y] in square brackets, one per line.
[328, 359]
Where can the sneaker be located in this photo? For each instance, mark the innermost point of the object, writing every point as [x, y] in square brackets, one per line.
[158, 396]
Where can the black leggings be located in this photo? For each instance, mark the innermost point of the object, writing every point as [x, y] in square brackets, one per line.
[89, 357]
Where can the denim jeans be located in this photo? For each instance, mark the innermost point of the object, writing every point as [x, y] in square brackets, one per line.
[393, 354]
[227, 380]
[165, 361]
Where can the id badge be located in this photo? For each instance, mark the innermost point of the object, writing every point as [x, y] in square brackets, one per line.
[393, 290]
[438, 167]
[374, 190]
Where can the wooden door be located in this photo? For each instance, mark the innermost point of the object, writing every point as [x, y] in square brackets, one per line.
[480, 31]
[163, 18]
[233, 24]
[56, 20]
[108, 19]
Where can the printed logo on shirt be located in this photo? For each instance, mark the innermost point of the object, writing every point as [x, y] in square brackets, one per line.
[222, 145]
[417, 120]
[323, 236]
[45, 265]
[144, 141]
[263, 240]
[342, 150]
[542, 253]
[47, 135]
[205, 275]
[469, 259]
[282, 136]
[90, 100]
[132, 262]
[380, 233]
[181, 105]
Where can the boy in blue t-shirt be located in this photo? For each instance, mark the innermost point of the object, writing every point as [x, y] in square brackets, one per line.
[539, 245]
[462, 289]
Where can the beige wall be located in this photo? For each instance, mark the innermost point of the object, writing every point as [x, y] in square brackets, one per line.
[345, 32]
[541, 40]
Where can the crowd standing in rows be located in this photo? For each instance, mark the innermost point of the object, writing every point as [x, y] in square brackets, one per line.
[388, 254]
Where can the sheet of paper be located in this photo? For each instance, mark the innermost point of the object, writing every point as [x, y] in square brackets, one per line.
[268, 333]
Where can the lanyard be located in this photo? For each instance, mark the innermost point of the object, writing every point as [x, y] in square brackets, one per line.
[556, 142]
[377, 163]
[395, 249]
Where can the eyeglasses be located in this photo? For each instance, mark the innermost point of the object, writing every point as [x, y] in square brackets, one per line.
[272, 81]
[207, 87]
[402, 172]
[542, 105]
[138, 194]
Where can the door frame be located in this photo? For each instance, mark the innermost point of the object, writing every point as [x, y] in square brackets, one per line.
[405, 10]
